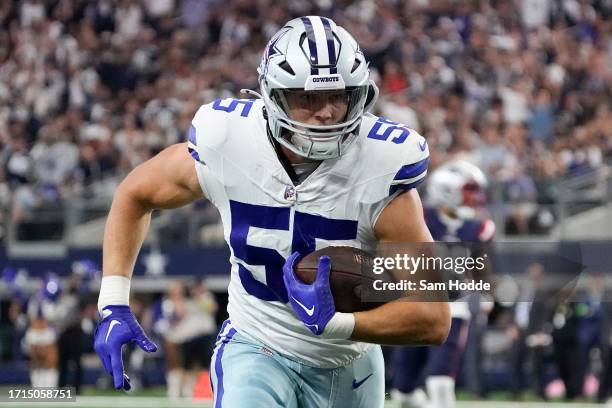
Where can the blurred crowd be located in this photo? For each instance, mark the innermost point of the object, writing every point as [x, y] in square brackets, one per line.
[89, 89]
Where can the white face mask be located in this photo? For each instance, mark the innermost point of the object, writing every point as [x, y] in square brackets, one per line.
[316, 150]
[317, 142]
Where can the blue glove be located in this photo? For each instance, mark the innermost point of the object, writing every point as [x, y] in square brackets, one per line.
[118, 327]
[314, 304]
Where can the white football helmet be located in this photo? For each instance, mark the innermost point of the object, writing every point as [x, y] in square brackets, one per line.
[313, 54]
[459, 186]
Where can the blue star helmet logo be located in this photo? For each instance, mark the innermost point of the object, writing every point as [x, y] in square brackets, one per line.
[271, 49]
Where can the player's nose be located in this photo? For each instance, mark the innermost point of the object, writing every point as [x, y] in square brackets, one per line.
[325, 113]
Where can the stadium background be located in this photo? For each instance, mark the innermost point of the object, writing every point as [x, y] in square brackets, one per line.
[90, 89]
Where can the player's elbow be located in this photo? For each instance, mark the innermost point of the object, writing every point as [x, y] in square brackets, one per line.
[440, 325]
[434, 324]
[142, 189]
[128, 195]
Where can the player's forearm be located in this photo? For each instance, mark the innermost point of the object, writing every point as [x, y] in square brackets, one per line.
[404, 323]
[125, 231]
[168, 180]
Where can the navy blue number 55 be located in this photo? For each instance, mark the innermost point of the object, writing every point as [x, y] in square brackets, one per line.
[306, 229]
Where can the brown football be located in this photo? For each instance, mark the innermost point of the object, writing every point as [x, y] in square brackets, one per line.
[349, 277]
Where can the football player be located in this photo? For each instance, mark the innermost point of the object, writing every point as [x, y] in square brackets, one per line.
[455, 194]
[301, 167]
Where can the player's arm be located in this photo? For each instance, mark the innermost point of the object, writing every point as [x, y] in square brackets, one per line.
[168, 180]
[403, 322]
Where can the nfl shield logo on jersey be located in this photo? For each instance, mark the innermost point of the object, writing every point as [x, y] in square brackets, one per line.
[289, 193]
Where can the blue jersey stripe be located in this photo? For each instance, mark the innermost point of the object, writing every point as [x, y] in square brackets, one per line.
[405, 187]
[219, 368]
[312, 46]
[191, 135]
[412, 170]
[194, 154]
[331, 46]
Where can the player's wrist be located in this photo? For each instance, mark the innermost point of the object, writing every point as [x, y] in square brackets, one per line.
[114, 290]
[340, 326]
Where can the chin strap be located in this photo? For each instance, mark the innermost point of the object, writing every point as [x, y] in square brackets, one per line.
[277, 147]
[281, 156]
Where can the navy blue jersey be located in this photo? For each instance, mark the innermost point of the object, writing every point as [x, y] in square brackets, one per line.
[445, 229]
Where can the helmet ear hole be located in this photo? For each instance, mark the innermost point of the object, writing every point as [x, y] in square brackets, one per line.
[371, 97]
[355, 65]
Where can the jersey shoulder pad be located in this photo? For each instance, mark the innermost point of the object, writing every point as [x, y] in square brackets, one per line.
[392, 151]
[212, 126]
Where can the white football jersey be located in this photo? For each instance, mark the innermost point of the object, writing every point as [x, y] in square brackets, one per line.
[266, 217]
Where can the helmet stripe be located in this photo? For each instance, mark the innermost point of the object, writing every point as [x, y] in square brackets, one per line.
[314, 58]
[321, 42]
[331, 46]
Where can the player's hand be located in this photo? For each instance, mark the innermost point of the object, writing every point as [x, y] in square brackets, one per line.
[314, 304]
[118, 327]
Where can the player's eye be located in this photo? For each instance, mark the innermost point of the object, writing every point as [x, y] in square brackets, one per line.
[306, 98]
[337, 97]
[301, 100]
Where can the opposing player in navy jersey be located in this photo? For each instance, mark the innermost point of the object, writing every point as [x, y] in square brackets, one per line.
[455, 198]
[302, 167]
[456, 195]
